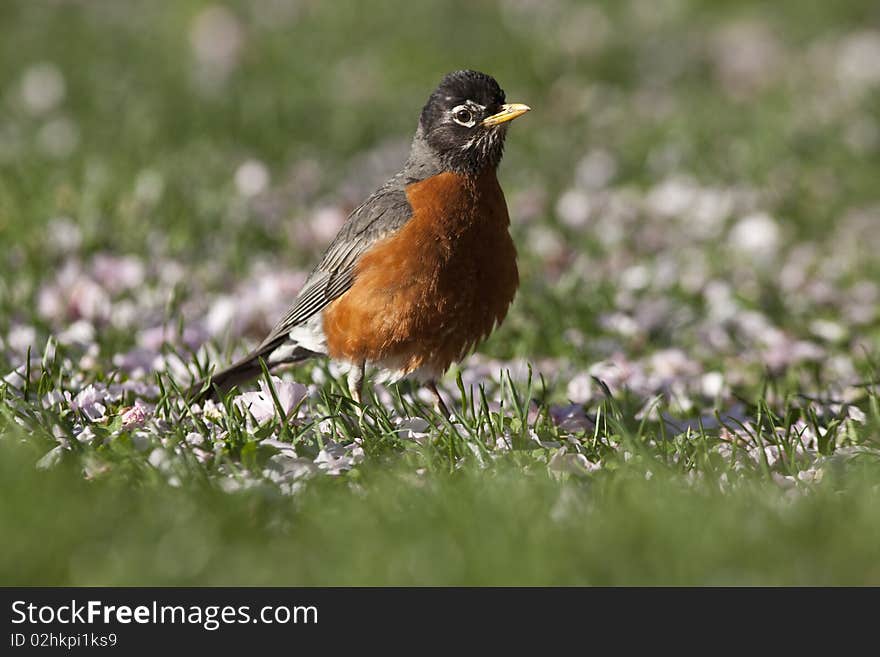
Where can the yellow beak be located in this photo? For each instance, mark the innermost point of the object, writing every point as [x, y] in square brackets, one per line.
[508, 113]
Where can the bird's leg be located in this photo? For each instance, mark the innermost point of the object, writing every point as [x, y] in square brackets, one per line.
[356, 381]
[441, 407]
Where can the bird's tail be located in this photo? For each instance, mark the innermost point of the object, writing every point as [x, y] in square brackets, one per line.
[241, 371]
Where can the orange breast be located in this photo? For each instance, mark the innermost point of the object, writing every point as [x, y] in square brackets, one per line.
[426, 295]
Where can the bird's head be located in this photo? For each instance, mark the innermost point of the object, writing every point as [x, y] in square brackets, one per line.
[465, 121]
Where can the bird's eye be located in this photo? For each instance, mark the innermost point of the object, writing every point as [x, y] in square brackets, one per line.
[463, 116]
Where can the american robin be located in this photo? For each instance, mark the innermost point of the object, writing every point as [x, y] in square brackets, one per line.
[420, 272]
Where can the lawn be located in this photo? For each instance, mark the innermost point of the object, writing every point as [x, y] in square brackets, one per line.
[684, 391]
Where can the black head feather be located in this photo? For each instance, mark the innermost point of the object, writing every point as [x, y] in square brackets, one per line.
[450, 129]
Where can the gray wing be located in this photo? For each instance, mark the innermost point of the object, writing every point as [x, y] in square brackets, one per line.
[380, 215]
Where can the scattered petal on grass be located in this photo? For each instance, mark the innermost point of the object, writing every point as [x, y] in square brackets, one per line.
[136, 416]
[42, 87]
[335, 459]
[251, 178]
[571, 418]
[261, 405]
[562, 462]
[415, 428]
[91, 402]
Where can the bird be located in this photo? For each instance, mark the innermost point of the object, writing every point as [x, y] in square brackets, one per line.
[422, 271]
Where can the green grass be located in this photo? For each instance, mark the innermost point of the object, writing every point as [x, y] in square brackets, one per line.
[471, 527]
[727, 437]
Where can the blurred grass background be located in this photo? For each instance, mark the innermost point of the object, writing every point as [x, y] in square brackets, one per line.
[327, 95]
[188, 88]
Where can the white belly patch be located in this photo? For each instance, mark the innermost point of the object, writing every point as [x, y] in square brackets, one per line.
[309, 335]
